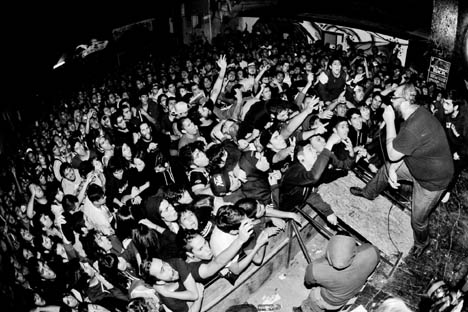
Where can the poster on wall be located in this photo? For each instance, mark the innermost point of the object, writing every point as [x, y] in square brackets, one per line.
[438, 72]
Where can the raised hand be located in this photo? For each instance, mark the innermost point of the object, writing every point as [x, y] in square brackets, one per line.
[32, 189]
[274, 177]
[320, 128]
[222, 62]
[326, 114]
[334, 139]
[312, 104]
[348, 145]
[245, 230]
[358, 78]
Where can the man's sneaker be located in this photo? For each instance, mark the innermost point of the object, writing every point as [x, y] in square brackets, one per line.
[445, 198]
[357, 191]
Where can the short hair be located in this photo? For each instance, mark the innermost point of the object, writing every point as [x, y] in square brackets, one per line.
[116, 164]
[159, 158]
[215, 154]
[393, 305]
[69, 202]
[64, 166]
[145, 272]
[95, 192]
[72, 141]
[142, 304]
[276, 106]
[85, 167]
[143, 91]
[115, 116]
[186, 237]
[173, 192]
[300, 148]
[351, 112]
[265, 137]
[339, 120]
[180, 123]
[456, 98]
[186, 152]
[229, 218]
[249, 205]
[409, 92]
[335, 58]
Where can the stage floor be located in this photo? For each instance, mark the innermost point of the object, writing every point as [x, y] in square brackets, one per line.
[370, 218]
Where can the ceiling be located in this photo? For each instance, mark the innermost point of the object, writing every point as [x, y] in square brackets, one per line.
[403, 18]
[37, 34]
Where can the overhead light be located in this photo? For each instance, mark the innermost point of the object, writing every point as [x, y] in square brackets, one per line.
[60, 62]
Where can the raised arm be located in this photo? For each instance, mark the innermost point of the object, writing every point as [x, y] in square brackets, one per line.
[301, 96]
[297, 120]
[239, 267]
[219, 82]
[220, 261]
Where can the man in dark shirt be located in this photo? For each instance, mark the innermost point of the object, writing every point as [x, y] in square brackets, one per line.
[121, 133]
[174, 284]
[339, 275]
[303, 175]
[455, 123]
[419, 153]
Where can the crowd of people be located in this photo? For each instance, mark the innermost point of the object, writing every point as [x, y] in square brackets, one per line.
[134, 192]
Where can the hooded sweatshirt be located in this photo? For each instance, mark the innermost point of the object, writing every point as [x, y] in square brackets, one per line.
[257, 185]
[343, 271]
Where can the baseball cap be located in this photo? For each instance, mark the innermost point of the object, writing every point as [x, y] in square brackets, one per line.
[220, 183]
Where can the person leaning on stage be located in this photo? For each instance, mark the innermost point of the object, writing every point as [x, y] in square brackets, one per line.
[419, 153]
[339, 275]
[203, 265]
[304, 174]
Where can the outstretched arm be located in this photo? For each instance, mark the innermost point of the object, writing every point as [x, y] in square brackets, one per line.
[220, 261]
[219, 82]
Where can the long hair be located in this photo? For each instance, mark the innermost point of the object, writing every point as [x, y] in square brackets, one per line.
[146, 241]
[108, 266]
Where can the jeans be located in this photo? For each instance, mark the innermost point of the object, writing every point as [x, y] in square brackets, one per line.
[315, 303]
[422, 203]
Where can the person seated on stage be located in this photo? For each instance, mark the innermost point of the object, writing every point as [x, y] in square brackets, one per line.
[203, 265]
[306, 172]
[228, 221]
[174, 283]
[255, 209]
[339, 275]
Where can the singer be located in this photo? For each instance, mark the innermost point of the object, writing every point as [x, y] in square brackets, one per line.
[420, 154]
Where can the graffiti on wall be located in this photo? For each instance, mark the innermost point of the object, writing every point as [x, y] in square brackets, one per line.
[362, 39]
